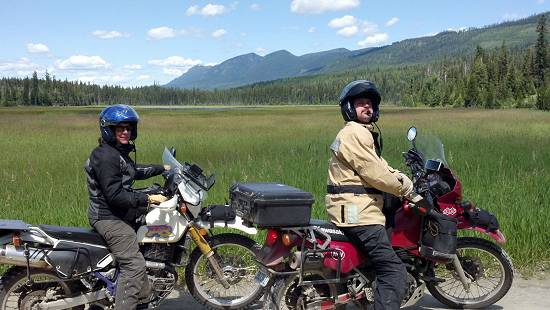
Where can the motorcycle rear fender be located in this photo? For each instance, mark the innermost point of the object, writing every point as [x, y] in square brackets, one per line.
[237, 223]
[273, 255]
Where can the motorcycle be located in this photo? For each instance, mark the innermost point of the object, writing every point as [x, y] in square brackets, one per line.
[316, 266]
[71, 268]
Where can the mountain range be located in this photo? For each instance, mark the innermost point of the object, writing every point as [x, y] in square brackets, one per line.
[252, 68]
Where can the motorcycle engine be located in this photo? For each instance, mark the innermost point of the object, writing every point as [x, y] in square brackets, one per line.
[162, 282]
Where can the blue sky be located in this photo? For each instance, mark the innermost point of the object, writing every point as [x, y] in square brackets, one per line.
[132, 43]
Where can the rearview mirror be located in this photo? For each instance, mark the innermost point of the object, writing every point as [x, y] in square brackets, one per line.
[411, 134]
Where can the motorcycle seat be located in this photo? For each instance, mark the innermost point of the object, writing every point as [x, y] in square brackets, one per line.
[332, 230]
[76, 234]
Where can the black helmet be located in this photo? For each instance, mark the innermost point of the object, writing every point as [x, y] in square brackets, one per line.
[359, 89]
[114, 115]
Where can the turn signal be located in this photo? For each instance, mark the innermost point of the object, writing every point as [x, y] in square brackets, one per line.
[16, 240]
[287, 240]
[183, 208]
[271, 237]
[203, 232]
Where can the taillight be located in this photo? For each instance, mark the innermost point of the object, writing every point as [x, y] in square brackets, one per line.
[16, 239]
[271, 237]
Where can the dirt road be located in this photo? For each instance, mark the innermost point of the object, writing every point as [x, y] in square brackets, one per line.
[524, 295]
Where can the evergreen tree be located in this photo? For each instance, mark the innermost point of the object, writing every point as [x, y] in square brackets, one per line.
[34, 89]
[25, 95]
[541, 52]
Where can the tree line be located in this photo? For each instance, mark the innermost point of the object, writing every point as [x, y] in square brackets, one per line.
[502, 77]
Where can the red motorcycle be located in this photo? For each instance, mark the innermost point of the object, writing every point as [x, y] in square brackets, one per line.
[311, 264]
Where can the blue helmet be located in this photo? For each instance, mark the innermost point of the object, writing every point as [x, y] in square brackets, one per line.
[359, 89]
[114, 115]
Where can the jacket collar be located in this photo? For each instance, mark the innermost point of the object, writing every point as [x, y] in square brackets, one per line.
[370, 127]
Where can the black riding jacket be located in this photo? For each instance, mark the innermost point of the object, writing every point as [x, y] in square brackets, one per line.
[110, 173]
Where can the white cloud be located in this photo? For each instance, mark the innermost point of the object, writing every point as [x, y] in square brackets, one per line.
[370, 28]
[210, 64]
[192, 10]
[175, 65]
[218, 33]
[392, 21]
[208, 10]
[373, 40]
[348, 31]
[261, 51]
[343, 21]
[213, 9]
[311, 30]
[161, 33]
[320, 6]
[82, 62]
[175, 61]
[255, 7]
[144, 77]
[21, 67]
[102, 34]
[37, 48]
[132, 67]
[173, 71]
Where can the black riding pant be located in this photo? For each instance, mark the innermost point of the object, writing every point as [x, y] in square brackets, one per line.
[390, 271]
[132, 280]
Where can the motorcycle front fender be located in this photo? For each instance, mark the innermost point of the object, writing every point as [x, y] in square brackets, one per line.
[496, 235]
[237, 223]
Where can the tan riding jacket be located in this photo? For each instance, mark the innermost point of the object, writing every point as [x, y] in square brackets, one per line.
[355, 162]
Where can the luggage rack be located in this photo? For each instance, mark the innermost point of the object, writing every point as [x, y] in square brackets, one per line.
[319, 250]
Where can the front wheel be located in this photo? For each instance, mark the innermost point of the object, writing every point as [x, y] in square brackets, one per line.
[236, 256]
[485, 264]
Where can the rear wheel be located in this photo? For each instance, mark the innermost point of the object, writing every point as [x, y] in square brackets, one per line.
[46, 286]
[485, 264]
[287, 294]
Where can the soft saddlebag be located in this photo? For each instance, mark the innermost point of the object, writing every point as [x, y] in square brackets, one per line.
[439, 237]
[271, 204]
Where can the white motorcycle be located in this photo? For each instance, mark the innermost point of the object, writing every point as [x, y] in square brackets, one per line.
[71, 268]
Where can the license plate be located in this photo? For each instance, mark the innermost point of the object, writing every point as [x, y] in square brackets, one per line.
[261, 278]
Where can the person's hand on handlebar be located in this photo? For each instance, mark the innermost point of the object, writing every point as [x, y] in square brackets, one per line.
[156, 199]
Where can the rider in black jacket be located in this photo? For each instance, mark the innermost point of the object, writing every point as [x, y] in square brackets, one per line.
[114, 204]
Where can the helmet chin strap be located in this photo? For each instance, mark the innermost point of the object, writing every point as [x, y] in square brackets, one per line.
[380, 141]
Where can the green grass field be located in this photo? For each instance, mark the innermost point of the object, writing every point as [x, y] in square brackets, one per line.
[501, 156]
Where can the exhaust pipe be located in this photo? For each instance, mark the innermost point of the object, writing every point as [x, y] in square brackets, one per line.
[11, 255]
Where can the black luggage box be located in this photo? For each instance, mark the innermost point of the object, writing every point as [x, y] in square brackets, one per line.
[271, 204]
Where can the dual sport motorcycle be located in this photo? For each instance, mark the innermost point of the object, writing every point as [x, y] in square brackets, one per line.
[315, 265]
[71, 268]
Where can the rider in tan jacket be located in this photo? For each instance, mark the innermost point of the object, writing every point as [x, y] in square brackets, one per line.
[355, 164]
[357, 178]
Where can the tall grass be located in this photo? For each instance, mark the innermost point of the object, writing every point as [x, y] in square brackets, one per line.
[502, 158]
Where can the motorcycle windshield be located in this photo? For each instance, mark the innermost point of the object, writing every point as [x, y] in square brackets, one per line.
[168, 159]
[431, 148]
